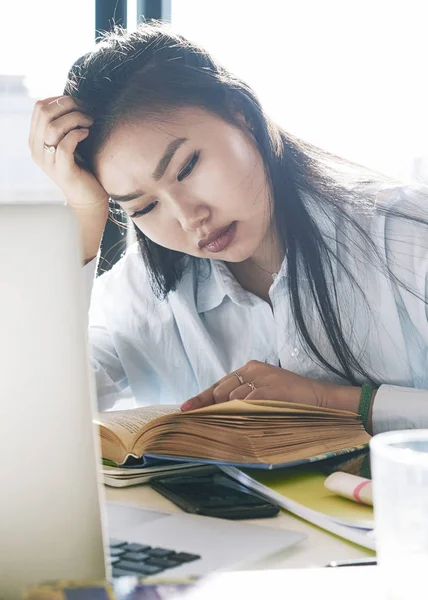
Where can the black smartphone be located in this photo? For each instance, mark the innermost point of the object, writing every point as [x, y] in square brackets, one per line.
[214, 494]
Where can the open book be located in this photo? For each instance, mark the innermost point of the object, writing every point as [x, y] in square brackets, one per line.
[257, 433]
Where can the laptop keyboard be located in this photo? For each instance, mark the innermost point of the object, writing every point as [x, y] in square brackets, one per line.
[142, 561]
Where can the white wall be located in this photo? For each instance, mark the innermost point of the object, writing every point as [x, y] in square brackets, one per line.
[20, 179]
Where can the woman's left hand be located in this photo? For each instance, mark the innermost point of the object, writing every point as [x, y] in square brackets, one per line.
[261, 381]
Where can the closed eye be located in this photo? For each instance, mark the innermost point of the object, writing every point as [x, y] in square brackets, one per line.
[143, 211]
[189, 167]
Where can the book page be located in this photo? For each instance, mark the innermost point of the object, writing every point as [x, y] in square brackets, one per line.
[127, 424]
[244, 407]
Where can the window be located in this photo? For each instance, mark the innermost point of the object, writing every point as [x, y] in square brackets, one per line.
[39, 42]
[347, 76]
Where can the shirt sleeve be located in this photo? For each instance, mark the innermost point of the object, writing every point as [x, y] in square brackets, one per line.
[396, 407]
[110, 379]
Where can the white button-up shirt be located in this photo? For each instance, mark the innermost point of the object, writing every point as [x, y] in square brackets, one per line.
[167, 351]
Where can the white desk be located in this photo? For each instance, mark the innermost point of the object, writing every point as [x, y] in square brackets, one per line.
[319, 548]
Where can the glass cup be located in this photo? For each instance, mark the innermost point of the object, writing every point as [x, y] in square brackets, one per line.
[399, 462]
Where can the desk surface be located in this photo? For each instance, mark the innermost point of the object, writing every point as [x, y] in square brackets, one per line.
[319, 548]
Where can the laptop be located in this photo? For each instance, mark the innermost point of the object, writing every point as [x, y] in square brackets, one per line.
[54, 521]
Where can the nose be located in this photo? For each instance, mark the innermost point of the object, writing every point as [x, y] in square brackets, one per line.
[191, 214]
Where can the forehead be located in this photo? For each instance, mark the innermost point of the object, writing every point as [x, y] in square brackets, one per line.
[144, 141]
[134, 149]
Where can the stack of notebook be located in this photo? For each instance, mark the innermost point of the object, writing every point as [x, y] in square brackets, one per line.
[125, 476]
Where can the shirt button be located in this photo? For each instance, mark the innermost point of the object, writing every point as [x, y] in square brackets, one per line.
[295, 352]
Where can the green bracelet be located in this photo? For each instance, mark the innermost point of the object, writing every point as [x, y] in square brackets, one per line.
[365, 402]
[365, 468]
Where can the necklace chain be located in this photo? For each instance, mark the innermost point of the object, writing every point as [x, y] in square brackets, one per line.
[273, 275]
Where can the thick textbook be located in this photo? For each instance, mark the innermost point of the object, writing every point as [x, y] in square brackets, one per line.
[258, 433]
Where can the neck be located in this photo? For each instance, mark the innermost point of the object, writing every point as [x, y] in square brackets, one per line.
[269, 256]
[256, 273]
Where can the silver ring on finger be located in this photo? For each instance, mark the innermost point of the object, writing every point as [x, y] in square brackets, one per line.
[239, 377]
[252, 386]
[50, 149]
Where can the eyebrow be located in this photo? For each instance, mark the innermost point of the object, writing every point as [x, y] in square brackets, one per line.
[157, 174]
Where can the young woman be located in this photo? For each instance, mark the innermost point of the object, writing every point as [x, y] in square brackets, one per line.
[264, 267]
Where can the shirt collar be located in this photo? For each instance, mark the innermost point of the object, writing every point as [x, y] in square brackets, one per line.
[215, 282]
[210, 291]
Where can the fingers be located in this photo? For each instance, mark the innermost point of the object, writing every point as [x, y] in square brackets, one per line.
[35, 115]
[64, 155]
[216, 394]
[229, 388]
[57, 129]
[219, 393]
[224, 390]
[52, 119]
[262, 393]
[242, 392]
[205, 398]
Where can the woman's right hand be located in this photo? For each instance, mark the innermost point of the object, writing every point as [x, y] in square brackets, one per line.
[58, 122]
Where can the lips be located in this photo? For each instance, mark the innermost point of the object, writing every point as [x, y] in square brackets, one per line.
[219, 239]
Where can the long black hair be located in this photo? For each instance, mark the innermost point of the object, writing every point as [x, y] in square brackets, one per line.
[153, 71]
